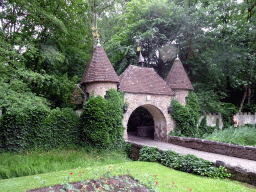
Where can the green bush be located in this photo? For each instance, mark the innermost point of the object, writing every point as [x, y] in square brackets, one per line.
[21, 125]
[169, 158]
[186, 117]
[150, 154]
[102, 121]
[61, 129]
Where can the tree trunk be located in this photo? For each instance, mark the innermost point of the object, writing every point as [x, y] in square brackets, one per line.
[242, 103]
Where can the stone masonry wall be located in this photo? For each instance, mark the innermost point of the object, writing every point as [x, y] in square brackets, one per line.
[157, 105]
[211, 119]
[245, 118]
[100, 88]
[180, 95]
[245, 152]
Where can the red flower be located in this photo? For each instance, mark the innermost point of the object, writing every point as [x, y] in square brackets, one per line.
[156, 183]
[71, 173]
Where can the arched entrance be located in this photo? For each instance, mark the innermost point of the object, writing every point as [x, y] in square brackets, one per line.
[141, 123]
[157, 130]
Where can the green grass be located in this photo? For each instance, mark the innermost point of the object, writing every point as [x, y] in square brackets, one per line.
[243, 135]
[31, 163]
[142, 171]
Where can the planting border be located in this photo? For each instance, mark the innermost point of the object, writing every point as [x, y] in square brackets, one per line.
[237, 172]
[245, 152]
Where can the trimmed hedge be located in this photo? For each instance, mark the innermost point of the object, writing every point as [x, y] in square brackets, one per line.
[61, 129]
[21, 126]
[34, 127]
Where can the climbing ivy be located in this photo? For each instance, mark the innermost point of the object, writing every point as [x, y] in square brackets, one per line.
[102, 121]
[186, 117]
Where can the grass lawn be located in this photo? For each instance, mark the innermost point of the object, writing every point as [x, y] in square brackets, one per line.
[168, 179]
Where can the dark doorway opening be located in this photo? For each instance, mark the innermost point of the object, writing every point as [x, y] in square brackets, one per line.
[141, 123]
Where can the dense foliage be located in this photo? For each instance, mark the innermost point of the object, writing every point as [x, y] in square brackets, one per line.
[21, 127]
[216, 42]
[186, 117]
[102, 120]
[61, 129]
[187, 163]
[36, 127]
[243, 135]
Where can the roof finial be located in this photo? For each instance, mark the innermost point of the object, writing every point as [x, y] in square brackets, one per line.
[98, 42]
[141, 59]
[177, 57]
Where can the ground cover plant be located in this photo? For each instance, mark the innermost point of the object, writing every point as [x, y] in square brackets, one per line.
[187, 163]
[243, 135]
[152, 174]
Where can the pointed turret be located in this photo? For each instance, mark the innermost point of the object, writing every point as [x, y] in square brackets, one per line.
[99, 75]
[178, 80]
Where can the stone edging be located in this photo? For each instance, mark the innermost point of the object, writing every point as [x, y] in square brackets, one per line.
[245, 152]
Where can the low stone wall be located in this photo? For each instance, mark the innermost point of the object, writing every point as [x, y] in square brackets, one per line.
[238, 173]
[245, 118]
[245, 152]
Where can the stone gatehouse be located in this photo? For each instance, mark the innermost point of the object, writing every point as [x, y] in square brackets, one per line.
[143, 87]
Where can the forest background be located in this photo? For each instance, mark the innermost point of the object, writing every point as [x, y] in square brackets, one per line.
[45, 47]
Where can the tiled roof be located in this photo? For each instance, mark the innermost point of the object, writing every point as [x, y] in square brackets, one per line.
[143, 80]
[99, 68]
[76, 97]
[177, 77]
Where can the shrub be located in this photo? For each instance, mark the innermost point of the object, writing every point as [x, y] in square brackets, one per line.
[183, 119]
[169, 158]
[61, 129]
[150, 154]
[187, 163]
[102, 121]
[20, 126]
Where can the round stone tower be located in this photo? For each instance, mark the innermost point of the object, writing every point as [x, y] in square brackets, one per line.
[99, 75]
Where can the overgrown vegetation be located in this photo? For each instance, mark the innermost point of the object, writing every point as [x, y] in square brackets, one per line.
[186, 117]
[243, 135]
[187, 163]
[101, 121]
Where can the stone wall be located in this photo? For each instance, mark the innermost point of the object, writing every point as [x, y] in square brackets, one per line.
[157, 105]
[211, 119]
[240, 118]
[245, 118]
[100, 88]
[181, 95]
[245, 152]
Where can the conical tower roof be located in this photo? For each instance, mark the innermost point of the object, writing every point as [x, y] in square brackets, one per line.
[143, 80]
[177, 77]
[99, 68]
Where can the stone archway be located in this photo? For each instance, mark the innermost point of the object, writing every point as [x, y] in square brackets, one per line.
[141, 123]
[160, 129]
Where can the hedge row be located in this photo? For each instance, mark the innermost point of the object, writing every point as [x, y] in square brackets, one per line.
[36, 127]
